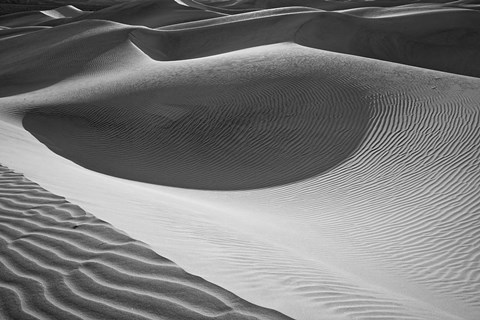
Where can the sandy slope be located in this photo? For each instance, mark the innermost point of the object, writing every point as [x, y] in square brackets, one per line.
[151, 13]
[33, 18]
[368, 170]
[59, 262]
[238, 6]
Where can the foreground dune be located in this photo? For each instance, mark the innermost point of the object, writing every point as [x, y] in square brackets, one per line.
[319, 163]
[59, 262]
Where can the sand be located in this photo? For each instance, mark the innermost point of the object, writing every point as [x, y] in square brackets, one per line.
[320, 160]
[60, 262]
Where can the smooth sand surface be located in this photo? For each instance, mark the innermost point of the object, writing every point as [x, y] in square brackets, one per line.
[319, 163]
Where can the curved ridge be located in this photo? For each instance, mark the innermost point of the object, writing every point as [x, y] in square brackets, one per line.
[54, 269]
[221, 141]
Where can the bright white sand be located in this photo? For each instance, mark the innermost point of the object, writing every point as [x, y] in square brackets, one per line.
[60, 262]
[369, 170]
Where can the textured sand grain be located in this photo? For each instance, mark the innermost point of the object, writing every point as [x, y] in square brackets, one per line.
[60, 262]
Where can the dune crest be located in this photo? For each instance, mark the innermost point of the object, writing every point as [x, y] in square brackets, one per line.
[60, 262]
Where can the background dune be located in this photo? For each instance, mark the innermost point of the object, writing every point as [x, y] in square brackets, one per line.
[152, 13]
[445, 40]
[320, 160]
[324, 4]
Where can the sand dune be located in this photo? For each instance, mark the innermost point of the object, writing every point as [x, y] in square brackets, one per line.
[24, 19]
[384, 38]
[60, 262]
[400, 151]
[64, 12]
[445, 39]
[319, 159]
[14, 32]
[152, 13]
[329, 5]
[40, 17]
[167, 144]
[24, 69]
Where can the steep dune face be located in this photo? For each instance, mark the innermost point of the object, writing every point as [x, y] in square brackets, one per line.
[256, 133]
[24, 19]
[39, 59]
[233, 5]
[273, 126]
[64, 12]
[445, 40]
[221, 35]
[152, 13]
[58, 262]
[34, 18]
[6, 32]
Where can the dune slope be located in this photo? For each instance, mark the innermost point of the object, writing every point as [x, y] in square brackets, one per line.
[215, 136]
[388, 231]
[60, 262]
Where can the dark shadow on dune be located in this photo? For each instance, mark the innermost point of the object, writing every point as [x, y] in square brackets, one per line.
[43, 58]
[240, 6]
[275, 130]
[67, 250]
[149, 13]
[220, 35]
[278, 133]
[444, 39]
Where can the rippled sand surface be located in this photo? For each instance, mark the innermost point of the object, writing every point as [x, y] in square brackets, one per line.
[303, 159]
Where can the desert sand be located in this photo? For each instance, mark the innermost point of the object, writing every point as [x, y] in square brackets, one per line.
[59, 262]
[240, 159]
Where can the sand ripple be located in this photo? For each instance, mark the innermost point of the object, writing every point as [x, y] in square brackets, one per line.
[59, 262]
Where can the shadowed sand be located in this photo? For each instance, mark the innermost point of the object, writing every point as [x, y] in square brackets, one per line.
[446, 39]
[245, 138]
[60, 262]
[243, 5]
